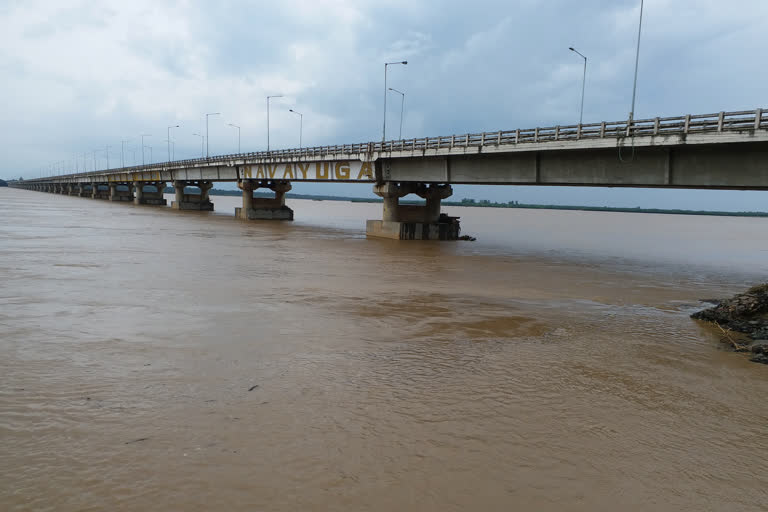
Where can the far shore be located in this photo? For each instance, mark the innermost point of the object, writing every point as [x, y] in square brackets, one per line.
[489, 204]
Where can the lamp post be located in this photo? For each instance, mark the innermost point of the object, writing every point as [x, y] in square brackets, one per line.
[402, 106]
[169, 141]
[384, 129]
[583, 82]
[238, 135]
[150, 153]
[269, 98]
[202, 144]
[206, 130]
[107, 152]
[637, 61]
[301, 124]
[173, 149]
[142, 146]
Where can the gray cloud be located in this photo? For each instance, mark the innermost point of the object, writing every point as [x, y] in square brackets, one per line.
[82, 75]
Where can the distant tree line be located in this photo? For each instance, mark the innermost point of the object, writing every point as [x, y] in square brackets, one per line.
[485, 203]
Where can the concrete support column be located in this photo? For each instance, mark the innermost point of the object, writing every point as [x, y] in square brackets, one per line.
[281, 188]
[413, 222]
[179, 190]
[95, 190]
[434, 194]
[148, 196]
[192, 201]
[138, 187]
[204, 187]
[115, 194]
[247, 188]
[264, 208]
[391, 193]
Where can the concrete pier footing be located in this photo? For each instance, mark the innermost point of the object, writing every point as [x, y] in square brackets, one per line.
[186, 201]
[121, 192]
[150, 193]
[413, 222]
[99, 191]
[258, 208]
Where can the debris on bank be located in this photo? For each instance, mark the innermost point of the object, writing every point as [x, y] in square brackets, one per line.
[745, 313]
[467, 238]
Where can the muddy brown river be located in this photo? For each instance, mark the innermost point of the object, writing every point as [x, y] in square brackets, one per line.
[160, 360]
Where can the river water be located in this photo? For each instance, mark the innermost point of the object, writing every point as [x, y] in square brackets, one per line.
[549, 366]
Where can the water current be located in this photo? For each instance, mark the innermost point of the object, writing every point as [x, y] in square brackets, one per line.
[152, 359]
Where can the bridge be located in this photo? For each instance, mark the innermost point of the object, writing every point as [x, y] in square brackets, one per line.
[726, 150]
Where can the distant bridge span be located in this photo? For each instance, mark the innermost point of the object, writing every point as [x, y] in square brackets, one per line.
[727, 150]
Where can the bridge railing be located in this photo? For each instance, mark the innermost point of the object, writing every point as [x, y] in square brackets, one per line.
[743, 120]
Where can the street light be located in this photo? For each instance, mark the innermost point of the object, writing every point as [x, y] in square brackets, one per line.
[384, 130]
[206, 130]
[173, 149]
[402, 106]
[150, 153]
[583, 82]
[637, 61]
[107, 152]
[238, 135]
[202, 143]
[142, 146]
[301, 124]
[169, 141]
[268, 98]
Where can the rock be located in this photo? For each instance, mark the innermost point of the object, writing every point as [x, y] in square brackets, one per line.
[746, 312]
[761, 358]
[759, 347]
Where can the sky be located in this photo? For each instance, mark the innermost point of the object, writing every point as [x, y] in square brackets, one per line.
[81, 77]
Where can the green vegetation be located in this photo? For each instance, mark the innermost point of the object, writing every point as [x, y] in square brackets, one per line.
[3, 183]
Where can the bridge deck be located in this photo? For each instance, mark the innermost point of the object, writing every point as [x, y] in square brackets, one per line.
[723, 150]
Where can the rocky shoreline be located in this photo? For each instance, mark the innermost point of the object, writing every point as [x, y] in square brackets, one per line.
[747, 314]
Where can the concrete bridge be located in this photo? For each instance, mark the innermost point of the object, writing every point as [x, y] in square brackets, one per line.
[727, 150]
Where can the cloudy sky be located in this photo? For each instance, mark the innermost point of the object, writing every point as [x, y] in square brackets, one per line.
[79, 76]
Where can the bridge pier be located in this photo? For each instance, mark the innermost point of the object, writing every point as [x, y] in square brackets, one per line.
[84, 191]
[153, 197]
[192, 201]
[116, 194]
[259, 208]
[74, 189]
[98, 193]
[413, 222]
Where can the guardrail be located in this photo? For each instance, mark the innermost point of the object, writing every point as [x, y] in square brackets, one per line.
[660, 126]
